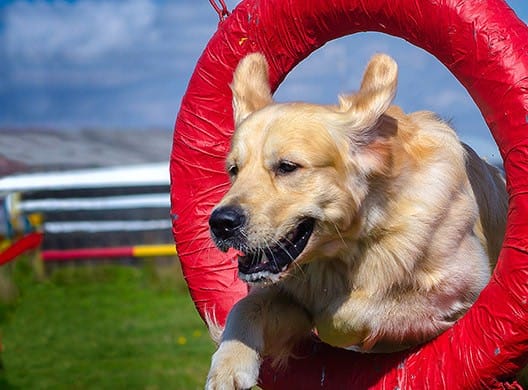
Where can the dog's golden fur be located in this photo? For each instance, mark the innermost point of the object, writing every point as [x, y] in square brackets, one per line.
[406, 222]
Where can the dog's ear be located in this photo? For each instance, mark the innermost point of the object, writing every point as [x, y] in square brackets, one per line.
[375, 95]
[362, 113]
[250, 86]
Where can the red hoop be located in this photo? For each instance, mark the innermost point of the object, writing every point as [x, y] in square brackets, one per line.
[485, 46]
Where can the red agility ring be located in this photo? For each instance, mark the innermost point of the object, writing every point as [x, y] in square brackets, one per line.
[485, 46]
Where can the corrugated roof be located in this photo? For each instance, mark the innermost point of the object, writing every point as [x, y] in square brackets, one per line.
[38, 150]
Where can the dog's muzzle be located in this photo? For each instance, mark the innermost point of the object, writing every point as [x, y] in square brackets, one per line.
[264, 263]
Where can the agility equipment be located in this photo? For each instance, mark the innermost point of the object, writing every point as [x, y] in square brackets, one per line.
[485, 46]
[109, 252]
[19, 246]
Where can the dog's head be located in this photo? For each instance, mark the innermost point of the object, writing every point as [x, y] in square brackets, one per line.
[300, 172]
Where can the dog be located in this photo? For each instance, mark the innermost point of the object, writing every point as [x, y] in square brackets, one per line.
[373, 228]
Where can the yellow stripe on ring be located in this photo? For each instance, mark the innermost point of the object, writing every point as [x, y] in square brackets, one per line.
[154, 250]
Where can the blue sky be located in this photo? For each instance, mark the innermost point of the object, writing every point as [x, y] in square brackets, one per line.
[126, 64]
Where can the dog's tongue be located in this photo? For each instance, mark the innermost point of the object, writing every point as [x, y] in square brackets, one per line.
[243, 258]
[235, 254]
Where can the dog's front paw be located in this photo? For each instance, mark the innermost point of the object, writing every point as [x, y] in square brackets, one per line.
[234, 366]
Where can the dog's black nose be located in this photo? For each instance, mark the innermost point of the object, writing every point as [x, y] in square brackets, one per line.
[226, 221]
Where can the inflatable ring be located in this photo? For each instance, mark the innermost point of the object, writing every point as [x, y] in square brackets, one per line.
[485, 46]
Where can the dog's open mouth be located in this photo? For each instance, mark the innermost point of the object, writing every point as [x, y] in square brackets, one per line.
[267, 263]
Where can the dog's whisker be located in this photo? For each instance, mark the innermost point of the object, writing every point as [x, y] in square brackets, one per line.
[301, 274]
[341, 238]
[273, 260]
[281, 245]
[294, 263]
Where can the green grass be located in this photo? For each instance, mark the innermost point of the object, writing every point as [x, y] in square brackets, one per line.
[102, 327]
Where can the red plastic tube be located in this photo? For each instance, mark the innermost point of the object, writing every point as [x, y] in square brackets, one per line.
[485, 46]
[98, 253]
[26, 243]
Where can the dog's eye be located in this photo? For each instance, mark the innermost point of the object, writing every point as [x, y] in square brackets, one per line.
[232, 170]
[284, 167]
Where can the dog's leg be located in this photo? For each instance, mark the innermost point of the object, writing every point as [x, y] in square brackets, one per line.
[255, 326]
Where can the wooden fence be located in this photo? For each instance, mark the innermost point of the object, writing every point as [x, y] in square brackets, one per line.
[89, 214]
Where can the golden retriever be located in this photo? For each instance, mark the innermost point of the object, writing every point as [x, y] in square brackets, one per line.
[374, 228]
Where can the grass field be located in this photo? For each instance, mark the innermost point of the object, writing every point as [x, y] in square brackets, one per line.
[101, 327]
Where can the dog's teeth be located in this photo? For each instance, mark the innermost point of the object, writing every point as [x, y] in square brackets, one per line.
[257, 276]
[261, 278]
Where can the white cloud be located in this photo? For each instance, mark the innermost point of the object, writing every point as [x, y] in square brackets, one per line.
[93, 44]
[338, 66]
[76, 32]
[89, 62]
[447, 99]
